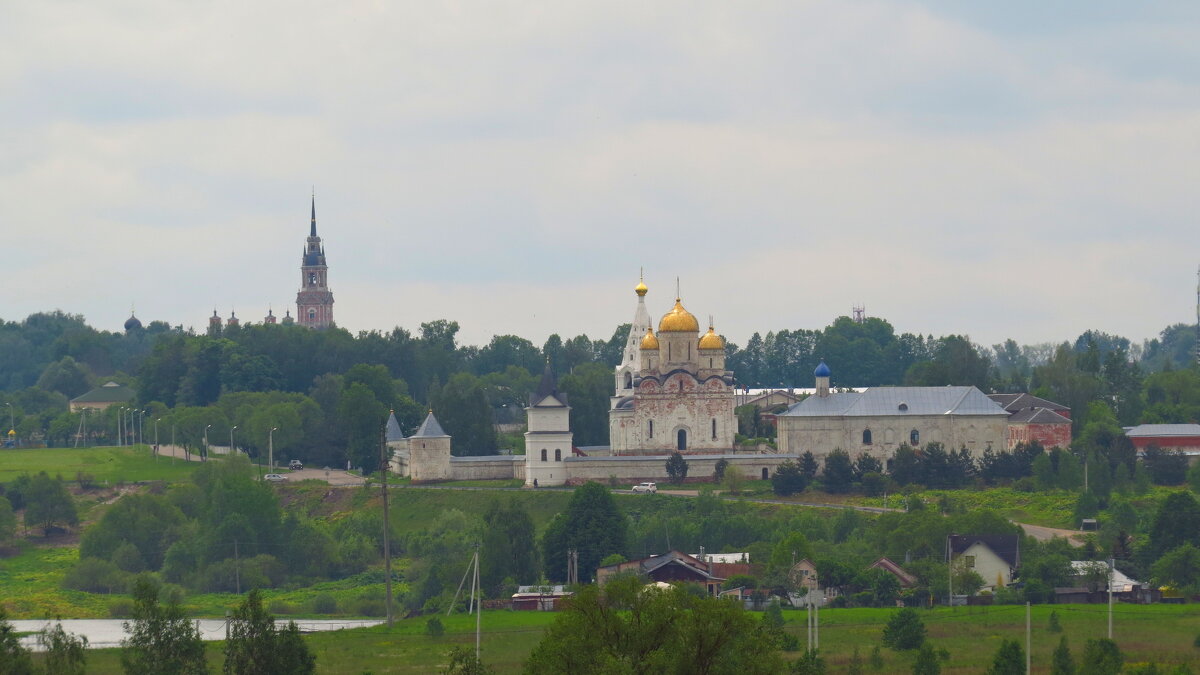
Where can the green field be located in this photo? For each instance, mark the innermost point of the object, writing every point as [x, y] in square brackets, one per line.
[1161, 633]
[108, 465]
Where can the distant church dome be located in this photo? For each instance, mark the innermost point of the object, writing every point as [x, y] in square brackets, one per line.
[641, 289]
[678, 320]
[822, 370]
[287, 318]
[649, 341]
[711, 340]
[132, 323]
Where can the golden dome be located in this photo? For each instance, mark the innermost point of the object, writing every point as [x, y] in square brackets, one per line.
[678, 320]
[711, 340]
[649, 341]
[641, 289]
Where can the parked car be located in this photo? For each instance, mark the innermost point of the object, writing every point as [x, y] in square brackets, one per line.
[295, 465]
[275, 477]
[648, 488]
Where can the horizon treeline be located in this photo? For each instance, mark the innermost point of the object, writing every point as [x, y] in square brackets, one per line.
[51, 357]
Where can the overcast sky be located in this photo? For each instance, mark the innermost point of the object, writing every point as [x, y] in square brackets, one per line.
[991, 169]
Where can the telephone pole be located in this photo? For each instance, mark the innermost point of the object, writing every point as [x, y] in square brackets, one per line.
[387, 544]
[1028, 643]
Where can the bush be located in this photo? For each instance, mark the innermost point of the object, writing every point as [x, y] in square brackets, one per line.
[324, 604]
[904, 630]
[434, 627]
[788, 479]
[278, 606]
[722, 464]
[120, 609]
[94, 575]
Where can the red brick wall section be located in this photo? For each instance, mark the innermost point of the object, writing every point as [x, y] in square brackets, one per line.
[1049, 435]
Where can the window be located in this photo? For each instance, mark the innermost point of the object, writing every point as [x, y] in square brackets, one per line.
[969, 561]
[681, 440]
[543, 454]
[766, 475]
[914, 438]
[628, 381]
[714, 426]
[866, 436]
[651, 428]
[557, 455]
[312, 313]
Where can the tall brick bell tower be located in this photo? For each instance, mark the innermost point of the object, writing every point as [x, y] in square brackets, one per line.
[314, 302]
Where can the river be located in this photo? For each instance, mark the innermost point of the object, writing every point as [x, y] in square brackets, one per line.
[102, 633]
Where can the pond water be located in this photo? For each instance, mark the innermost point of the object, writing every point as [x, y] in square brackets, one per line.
[109, 632]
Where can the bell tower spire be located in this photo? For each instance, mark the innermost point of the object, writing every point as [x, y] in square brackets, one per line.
[314, 301]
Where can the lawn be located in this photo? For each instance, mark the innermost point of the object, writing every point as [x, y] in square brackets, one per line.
[107, 465]
[970, 636]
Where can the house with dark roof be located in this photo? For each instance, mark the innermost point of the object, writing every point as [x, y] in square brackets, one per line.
[110, 393]
[994, 557]
[1031, 418]
[671, 567]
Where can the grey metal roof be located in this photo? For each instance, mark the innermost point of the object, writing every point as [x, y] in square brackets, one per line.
[1155, 430]
[1038, 416]
[639, 458]
[393, 429]
[1014, 402]
[429, 427]
[899, 401]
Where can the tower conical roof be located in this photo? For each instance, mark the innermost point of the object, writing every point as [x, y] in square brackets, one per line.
[546, 388]
[313, 231]
[393, 428]
[429, 427]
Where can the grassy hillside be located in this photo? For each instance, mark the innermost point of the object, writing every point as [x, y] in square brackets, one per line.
[106, 465]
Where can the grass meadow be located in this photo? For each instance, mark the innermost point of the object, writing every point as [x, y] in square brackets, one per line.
[1160, 633]
[106, 465]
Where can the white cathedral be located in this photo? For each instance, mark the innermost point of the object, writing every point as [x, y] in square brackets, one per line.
[672, 392]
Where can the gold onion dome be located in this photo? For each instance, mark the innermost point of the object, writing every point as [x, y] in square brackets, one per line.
[678, 320]
[641, 289]
[649, 341]
[711, 340]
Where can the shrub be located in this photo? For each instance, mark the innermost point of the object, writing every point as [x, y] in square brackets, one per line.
[324, 604]
[722, 464]
[1055, 626]
[120, 609]
[94, 576]
[278, 606]
[788, 479]
[434, 627]
[904, 630]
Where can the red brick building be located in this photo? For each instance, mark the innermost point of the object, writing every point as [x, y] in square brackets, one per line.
[1031, 418]
[1182, 437]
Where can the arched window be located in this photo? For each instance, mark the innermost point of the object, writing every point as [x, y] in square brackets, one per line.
[866, 436]
[681, 443]
[628, 381]
[914, 438]
[765, 473]
[651, 428]
[543, 454]
[557, 455]
[714, 426]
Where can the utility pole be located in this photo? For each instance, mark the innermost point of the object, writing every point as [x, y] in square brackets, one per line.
[817, 621]
[949, 573]
[808, 617]
[1028, 642]
[479, 605]
[1112, 566]
[237, 567]
[387, 544]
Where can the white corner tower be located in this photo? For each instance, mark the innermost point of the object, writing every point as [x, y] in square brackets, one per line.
[549, 440]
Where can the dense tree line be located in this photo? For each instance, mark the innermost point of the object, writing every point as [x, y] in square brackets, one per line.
[192, 382]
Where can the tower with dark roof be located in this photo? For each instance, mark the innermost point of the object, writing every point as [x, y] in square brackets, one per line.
[314, 301]
[549, 440]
